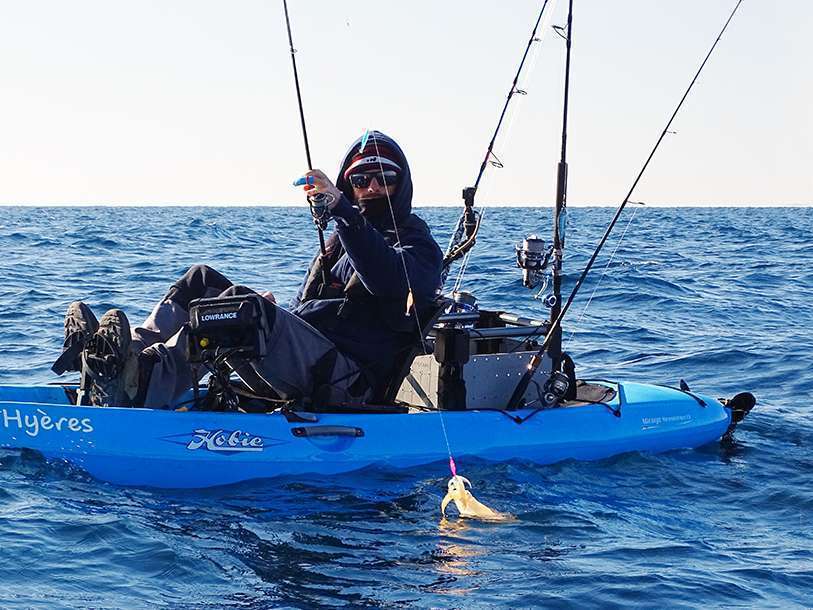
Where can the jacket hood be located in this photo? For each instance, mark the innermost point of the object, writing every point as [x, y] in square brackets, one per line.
[401, 199]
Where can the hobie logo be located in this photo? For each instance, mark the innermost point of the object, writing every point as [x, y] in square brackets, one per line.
[225, 441]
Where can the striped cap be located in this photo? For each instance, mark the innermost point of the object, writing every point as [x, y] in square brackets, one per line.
[374, 156]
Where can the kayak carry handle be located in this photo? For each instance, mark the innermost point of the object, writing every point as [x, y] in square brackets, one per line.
[311, 431]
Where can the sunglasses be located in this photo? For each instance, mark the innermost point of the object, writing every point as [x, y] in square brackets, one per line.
[387, 178]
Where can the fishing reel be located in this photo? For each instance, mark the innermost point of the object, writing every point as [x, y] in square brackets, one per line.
[561, 385]
[463, 302]
[320, 209]
[532, 258]
[319, 203]
[555, 388]
[462, 311]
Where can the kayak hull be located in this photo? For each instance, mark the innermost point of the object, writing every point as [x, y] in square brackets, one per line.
[172, 449]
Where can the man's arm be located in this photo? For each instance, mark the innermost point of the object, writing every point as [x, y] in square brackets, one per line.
[379, 265]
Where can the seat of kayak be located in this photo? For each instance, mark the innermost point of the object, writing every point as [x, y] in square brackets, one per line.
[590, 393]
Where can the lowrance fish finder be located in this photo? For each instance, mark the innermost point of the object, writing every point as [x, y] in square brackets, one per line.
[234, 325]
[224, 333]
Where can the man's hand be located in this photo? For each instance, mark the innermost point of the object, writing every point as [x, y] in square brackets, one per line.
[322, 184]
[269, 296]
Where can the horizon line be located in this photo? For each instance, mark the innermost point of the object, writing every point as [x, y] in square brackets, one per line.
[416, 205]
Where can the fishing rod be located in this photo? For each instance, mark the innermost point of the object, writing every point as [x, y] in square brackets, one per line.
[560, 213]
[317, 203]
[536, 360]
[469, 222]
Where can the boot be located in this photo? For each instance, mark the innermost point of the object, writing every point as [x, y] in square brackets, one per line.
[107, 361]
[80, 326]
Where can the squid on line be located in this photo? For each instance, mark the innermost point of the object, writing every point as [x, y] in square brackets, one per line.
[467, 505]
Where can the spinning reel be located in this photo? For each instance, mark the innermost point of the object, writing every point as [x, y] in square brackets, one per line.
[320, 209]
[319, 203]
[533, 258]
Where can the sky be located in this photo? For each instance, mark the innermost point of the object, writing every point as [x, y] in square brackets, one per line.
[192, 101]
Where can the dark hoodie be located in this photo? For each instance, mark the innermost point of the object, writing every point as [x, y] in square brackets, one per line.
[363, 311]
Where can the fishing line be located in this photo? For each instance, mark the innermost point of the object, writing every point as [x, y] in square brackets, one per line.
[603, 273]
[411, 298]
[400, 249]
[465, 233]
[513, 113]
[536, 360]
[514, 89]
[317, 221]
[490, 157]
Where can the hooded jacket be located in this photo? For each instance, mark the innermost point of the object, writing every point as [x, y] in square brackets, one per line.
[364, 309]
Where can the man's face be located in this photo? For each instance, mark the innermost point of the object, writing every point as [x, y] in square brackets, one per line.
[370, 185]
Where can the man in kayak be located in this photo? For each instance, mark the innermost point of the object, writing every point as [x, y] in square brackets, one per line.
[339, 341]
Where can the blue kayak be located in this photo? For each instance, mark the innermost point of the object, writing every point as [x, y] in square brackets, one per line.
[176, 449]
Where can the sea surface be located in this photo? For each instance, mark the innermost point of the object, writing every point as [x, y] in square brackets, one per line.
[720, 297]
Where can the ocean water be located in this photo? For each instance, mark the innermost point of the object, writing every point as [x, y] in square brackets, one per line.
[717, 296]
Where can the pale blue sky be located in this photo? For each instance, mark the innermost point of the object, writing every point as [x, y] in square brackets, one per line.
[192, 101]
